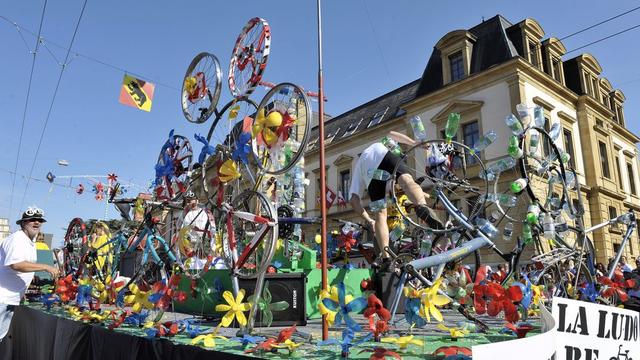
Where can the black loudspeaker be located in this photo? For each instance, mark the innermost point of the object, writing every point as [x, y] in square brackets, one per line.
[386, 284]
[288, 287]
[130, 263]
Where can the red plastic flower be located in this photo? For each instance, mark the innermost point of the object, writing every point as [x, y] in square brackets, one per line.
[618, 288]
[346, 241]
[380, 353]
[66, 288]
[164, 294]
[492, 298]
[452, 350]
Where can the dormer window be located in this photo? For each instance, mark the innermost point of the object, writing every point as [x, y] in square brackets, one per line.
[352, 128]
[456, 64]
[552, 51]
[533, 52]
[455, 54]
[377, 117]
[556, 70]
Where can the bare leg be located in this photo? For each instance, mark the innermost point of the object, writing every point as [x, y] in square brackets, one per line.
[382, 231]
[413, 190]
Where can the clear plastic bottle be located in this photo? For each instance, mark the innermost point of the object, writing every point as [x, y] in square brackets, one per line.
[523, 113]
[561, 225]
[514, 149]
[501, 165]
[419, 133]
[534, 141]
[518, 185]
[379, 174]
[527, 236]
[507, 232]
[533, 213]
[506, 200]
[495, 216]
[487, 228]
[392, 145]
[627, 218]
[378, 205]
[451, 128]
[514, 124]
[567, 209]
[554, 132]
[538, 117]
[397, 231]
[548, 226]
[426, 243]
[484, 142]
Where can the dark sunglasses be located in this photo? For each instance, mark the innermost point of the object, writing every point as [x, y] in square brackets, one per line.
[37, 220]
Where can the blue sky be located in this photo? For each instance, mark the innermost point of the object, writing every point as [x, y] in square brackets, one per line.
[370, 48]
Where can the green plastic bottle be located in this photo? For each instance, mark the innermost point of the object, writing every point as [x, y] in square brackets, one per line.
[514, 149]
[451, 129]
[518, 185]
[527, 236]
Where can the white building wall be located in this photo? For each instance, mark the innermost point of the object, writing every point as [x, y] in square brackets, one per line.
[624, 174]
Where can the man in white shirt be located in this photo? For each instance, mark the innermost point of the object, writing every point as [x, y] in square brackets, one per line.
[18, 258]
[201, 229]
[378, 156]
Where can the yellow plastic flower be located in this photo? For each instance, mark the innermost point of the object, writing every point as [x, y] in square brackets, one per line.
[207, 340]
[190, 84]
[228, 171]
[431, 300]
[267, 125]
[235, 309]
[288, 344]
[233, 112]
[75, 313]
[403, 341]
[453, 331]
[138, 299]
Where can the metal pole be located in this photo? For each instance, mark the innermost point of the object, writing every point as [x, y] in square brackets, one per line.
[323, 185]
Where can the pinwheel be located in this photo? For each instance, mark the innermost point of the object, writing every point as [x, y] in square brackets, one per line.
[412, 307]
[527, 293]
[430, 300]
[403, 342]
[492, 298]
[380, 353]
[107, 290]
[138, 299]
[378, 329]
[265, 127]
[242, 148]
[266, 306]
[80, 189]
[343, 308]
[611, 288]
[228, 171]
[375, 307]
[165, 329]
[348, 335]
[207, 149]
[333, 295]
[452, 350]
[234, 308]
[207, 340]
[136, 319]
[454, 332]
[287, 123]
[66, 288]
[247, 339]
[346, 241]
[520, 330]
[164, 294]
[588, 292]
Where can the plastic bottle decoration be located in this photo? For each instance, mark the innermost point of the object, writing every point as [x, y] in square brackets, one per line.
[497, 167]
[514, 149]
[554, 132]
[266, 306]
[484, 142]
[518, 185]
[514, 124]
[392, 145]
[451, 127]
[487, 228]
[419, 133]
[523, 113]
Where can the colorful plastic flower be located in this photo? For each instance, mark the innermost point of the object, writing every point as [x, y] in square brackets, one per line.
[492, 298]
[266, 306]
[412, 307]
[66, 288]
[454, 332]
[519, 330]
[431, 300]
[207, 149]
[242, 148]
[235, 308]
[380, 353]
[343, 308]
[228, 171]
[138, 299]
[348, 337]
[403, 342]
[375, 307]
[452, 350]
[289, 345]
[208, 340]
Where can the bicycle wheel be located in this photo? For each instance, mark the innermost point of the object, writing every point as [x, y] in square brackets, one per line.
[451, 168]
[195, 243]
[201, 88]
[233, 115]
[173, 168]
[75, 247]
[249, 57]
[237, 232]
[443, 243]
[281, 128]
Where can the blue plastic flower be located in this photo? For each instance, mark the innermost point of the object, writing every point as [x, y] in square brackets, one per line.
[245, 340]
[137, 319]
[242, 148]
[343, 309]
[84, 294]
[412, 312]
[527, 293]
[207, 149]
[588, 292]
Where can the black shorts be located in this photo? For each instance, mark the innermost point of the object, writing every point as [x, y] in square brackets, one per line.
[377, 188]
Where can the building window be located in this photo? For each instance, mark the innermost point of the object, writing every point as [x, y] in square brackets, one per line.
[605, 101]
[568, 147]
[345, 183]
[604, 160]
[352, 128]
[331, 136]
[533, 53]
[632, 179]
[470, 134]
[618, 172]
[377, 117]
[555, 68]
[546, 146]
[456, 64]
[619, 115]
[594, 85]
[613, 213]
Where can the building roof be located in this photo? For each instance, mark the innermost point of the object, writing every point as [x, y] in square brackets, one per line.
[492, 47]
[372, 113]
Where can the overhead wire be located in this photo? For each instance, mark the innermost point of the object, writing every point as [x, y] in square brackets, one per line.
[26, 102]
[53, 99]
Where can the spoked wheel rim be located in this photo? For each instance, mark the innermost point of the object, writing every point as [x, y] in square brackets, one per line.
[201, 88]
[279, 147]
[454, 181]
[249, 57]
[243, 231]
[180, 155]
[196, 251]
[75, 246]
